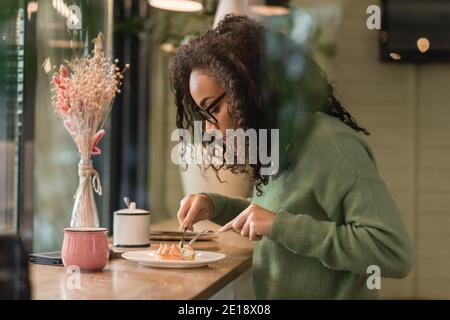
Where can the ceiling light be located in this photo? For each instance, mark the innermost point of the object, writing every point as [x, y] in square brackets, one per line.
[177, 5]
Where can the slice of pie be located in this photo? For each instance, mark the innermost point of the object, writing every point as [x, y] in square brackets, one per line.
[175, 252]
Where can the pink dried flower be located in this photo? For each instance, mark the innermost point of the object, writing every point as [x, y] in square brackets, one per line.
[56, 80]
[63, 71]
[95, 150]
[69, 127]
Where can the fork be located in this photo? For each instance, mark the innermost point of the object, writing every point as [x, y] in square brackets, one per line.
[182, 239]
[198, 235]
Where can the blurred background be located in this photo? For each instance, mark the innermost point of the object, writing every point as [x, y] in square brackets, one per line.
[393, 80]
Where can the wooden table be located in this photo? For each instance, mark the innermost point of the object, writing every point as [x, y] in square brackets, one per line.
[123, 279]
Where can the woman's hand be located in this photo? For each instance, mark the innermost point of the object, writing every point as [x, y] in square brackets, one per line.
[193, 208]
[254, 222]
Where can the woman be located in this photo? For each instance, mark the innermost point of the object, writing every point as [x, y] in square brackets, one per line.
[327, 216]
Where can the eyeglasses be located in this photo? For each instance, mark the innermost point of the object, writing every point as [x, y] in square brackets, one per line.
[206, 113]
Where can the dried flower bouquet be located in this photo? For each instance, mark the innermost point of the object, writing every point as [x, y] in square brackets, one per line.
[82, 94]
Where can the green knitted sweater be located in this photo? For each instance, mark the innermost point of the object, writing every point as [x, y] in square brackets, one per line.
[334, 219]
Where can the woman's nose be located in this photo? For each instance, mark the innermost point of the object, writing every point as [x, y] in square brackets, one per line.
[210, 126]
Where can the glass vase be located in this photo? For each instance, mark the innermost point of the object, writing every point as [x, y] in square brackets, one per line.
[84, 212]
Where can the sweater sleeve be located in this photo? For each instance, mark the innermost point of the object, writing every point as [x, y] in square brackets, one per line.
[226, 208]
[372, 233]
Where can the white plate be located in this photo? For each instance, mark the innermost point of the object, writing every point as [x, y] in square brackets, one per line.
[150, 259]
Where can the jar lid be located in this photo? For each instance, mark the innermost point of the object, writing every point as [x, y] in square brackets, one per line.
[132, 210]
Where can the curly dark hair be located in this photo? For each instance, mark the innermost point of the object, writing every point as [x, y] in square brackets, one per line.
[233, 53]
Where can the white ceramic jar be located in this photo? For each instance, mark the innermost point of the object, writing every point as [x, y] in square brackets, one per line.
[131, 227]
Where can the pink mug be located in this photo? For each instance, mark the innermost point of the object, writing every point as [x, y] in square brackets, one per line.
[86, 248]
